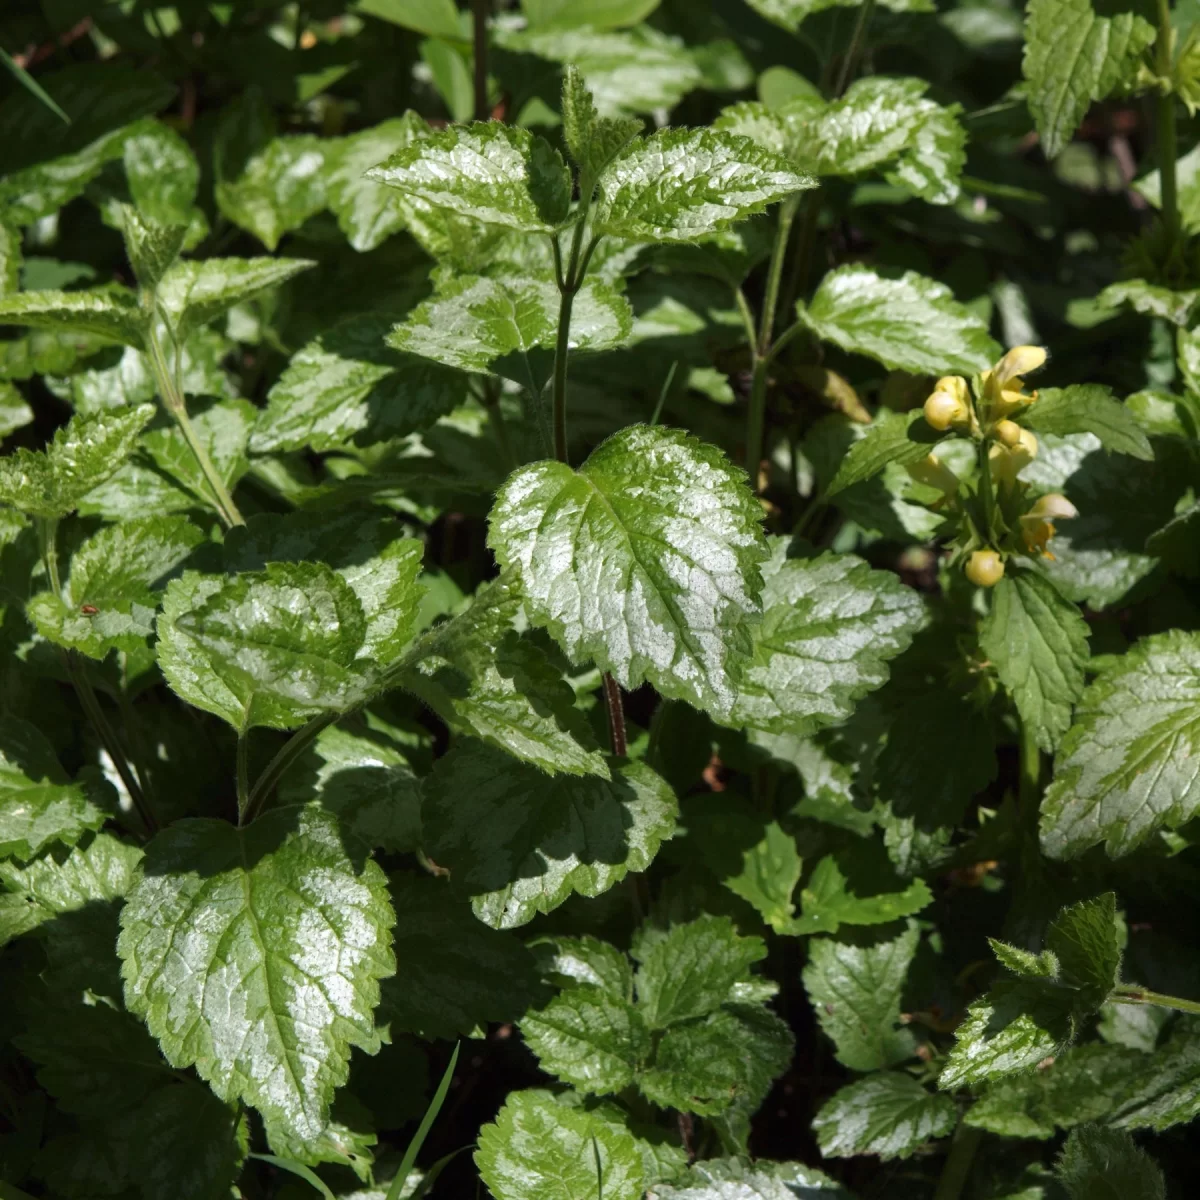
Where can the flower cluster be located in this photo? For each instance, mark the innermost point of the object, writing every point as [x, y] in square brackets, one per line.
[995, 518]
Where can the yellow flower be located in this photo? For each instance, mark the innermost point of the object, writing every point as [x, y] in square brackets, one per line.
[1007, 464]
[949, 403]
[1037, 525]
[1004, 387]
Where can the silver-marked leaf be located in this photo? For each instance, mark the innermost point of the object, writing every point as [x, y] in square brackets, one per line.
[368, 212]
[349, 383]
[1074, 56]
[593, 141]
[38, 804]
[646, 559]
[110, 312]
[472, 321]
[1089, 408]
[82, 454]
[734, 1179]
[789, 13]
[367, 782]
[109, 598]
[911, 323]
[371, 553]
[491, 172]
[829, 626]
[519, 842]
[681, 184]
[1037, 643]
[483, 679]
[277, 189]
[885, 125]
[539, 1149]
[271, 647]
[855, 991]
[162, 173]
[888, 1114]
[15, 413]
[1152, 300]
[151, 247]
[255, 955]
[193, 293]
[63, 882]
[1127, 765]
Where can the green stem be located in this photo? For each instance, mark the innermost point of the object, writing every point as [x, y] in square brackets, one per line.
[275, 769]
[743, 307]
[756, 418]
[479, 9]
[805, 244]
[1127, 994]
[957, 1168]
[856, 44]
[173, 401]
[1029, 787]
[616, 715]
[1167, 142]
[562, 345]
[785, 339]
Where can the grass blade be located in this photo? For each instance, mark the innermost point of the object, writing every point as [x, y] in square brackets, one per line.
[430, 1176]
[414, 1147]
[286, 1164]
[28, 81]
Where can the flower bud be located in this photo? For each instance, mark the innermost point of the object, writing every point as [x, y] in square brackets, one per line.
[1020, 360]
[985, 568]
[1027, 445]
[944, 409]
[1008, 433]
[1053, 507]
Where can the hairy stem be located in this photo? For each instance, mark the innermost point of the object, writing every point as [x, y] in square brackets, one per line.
[616, 715]
[568, 286]
[1167, 144]
[854, 50]
[173, 400]
[479, 9]
[275, 769]
[957, 1168]
[243, 772]
[1127, 994]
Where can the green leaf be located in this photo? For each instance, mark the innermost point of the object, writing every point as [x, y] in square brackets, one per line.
[593, 141]
[1089, 408]
[62, 882]
[689, 970]
[1177, 543]
[28, 82]
[770, 871]
[595, 14]
[193, 293]
[519, 842]
[471, 321]
[900, 438]
[790, 13]
[1022, 1021]
[162, 173]
[855, 992]
[588, 960]
[538, 1149]
[277, 189]
[483, 679]
[646, 560]
[1073, 57]
[38, 805]
[1165, 1090]
[1176, 305]
[1037, 643]
[830, 624]
[272, 647]
[81, 455]
[372, 554]
[1126, 767]
[456, 975]
[110, 312]
[1099, 1164]
[826, 902]
[368, 212]
[367, 783]
[437, 18]
[255, 955]
[885, 125]
[729, 1058]
[888, 1114]
[151, 247]
[588, 1038]
[678, 185]
[15, 413]
[731, 1179]
[109, 598]
[490, 172]
[910, 323]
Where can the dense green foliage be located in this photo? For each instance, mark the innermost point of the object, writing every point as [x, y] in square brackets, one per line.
[637, 558]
